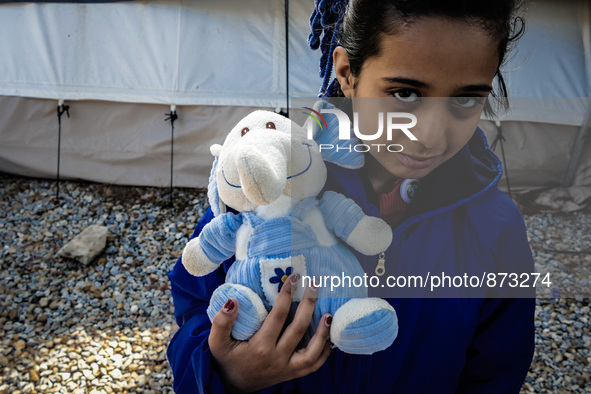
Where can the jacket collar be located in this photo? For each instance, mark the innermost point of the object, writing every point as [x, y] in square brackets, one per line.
[473, 171]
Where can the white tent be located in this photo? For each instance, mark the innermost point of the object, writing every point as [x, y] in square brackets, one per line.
[120, 66]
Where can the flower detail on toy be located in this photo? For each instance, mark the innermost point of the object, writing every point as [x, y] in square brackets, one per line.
[280, 277]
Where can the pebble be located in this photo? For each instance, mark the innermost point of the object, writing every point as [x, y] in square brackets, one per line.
[104, 327]
[116, 374]
[19, 345]
[562, 362]
[71, 328]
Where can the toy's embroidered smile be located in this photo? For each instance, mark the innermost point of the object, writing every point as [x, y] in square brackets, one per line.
[309, 161]
[289, 177]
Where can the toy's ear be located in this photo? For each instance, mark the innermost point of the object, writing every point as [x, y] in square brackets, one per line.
[217, 205]
[215, 149]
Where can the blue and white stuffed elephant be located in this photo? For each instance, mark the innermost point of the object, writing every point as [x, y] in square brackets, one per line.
[271, 174]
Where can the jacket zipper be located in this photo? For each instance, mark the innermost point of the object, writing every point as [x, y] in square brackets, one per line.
[381, 266]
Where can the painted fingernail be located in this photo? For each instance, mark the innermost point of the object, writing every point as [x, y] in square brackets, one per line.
[229, 307]
[294, 278]
[328, 320]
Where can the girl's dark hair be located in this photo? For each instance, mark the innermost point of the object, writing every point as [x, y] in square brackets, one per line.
[358, 26]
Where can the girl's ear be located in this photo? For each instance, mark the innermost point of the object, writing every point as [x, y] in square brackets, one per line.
[343, 71]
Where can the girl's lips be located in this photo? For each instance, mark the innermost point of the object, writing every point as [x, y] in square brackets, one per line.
[415, 163]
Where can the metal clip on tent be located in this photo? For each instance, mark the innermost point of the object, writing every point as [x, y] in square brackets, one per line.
[500, 138]
[172, 116]
[61, 109]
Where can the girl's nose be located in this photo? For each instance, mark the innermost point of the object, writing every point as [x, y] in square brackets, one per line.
[433, 125]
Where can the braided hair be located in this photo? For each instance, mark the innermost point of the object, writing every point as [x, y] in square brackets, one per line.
[325, 21]
[358, 26]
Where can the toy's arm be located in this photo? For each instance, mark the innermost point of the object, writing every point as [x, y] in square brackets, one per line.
[368, 234]
[216, 243]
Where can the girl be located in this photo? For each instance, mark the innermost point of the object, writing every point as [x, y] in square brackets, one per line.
[409, 51]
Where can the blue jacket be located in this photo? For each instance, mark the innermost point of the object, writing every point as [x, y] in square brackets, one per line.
[458, 218]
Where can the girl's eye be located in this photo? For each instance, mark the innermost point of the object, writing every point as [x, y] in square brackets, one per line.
[406, 95]
[244, 131]
[271, 125]
[466, 102]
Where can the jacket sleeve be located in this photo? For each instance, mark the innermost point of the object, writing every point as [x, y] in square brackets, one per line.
[501, 351]
[188, 352]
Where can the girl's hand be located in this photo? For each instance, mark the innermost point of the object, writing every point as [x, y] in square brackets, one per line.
[269, 356]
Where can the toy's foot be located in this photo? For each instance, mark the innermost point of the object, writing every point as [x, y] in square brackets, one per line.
[364, 326]
[251, 311]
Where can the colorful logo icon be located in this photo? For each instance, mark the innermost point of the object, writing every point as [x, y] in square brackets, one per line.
[316, 115]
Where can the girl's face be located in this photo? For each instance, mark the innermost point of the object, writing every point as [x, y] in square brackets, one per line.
[435, 68]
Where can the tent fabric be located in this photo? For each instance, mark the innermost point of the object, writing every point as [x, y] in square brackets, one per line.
[552, 60]
[121, 65]
[537, 154]
[233, 53]
[178, 52]
[114, 143]
[62, 1]
[129, 144]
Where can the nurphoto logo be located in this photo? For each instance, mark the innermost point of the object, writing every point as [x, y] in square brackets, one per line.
[389, 119]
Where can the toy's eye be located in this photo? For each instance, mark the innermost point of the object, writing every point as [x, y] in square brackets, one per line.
[244, 131]
[271, 125]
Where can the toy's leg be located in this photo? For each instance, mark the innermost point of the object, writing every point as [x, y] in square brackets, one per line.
[364, 326]
[251, 311]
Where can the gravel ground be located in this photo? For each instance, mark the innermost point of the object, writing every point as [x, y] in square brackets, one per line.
[562, 247]
[104, 327]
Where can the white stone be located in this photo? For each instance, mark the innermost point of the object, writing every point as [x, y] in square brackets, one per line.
[116, 374]
[87, 245]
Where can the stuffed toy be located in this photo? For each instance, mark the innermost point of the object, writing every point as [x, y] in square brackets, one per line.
[270, 173]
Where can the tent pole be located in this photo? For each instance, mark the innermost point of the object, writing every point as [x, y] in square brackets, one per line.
[172, 116]
[61, 109]
[286, 11]
[500, 138]
[577, 149]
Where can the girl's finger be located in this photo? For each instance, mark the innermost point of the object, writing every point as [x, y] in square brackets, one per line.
[274, 322]
[315, 354]
[298, 327]
[318, 341]
[220, 337]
